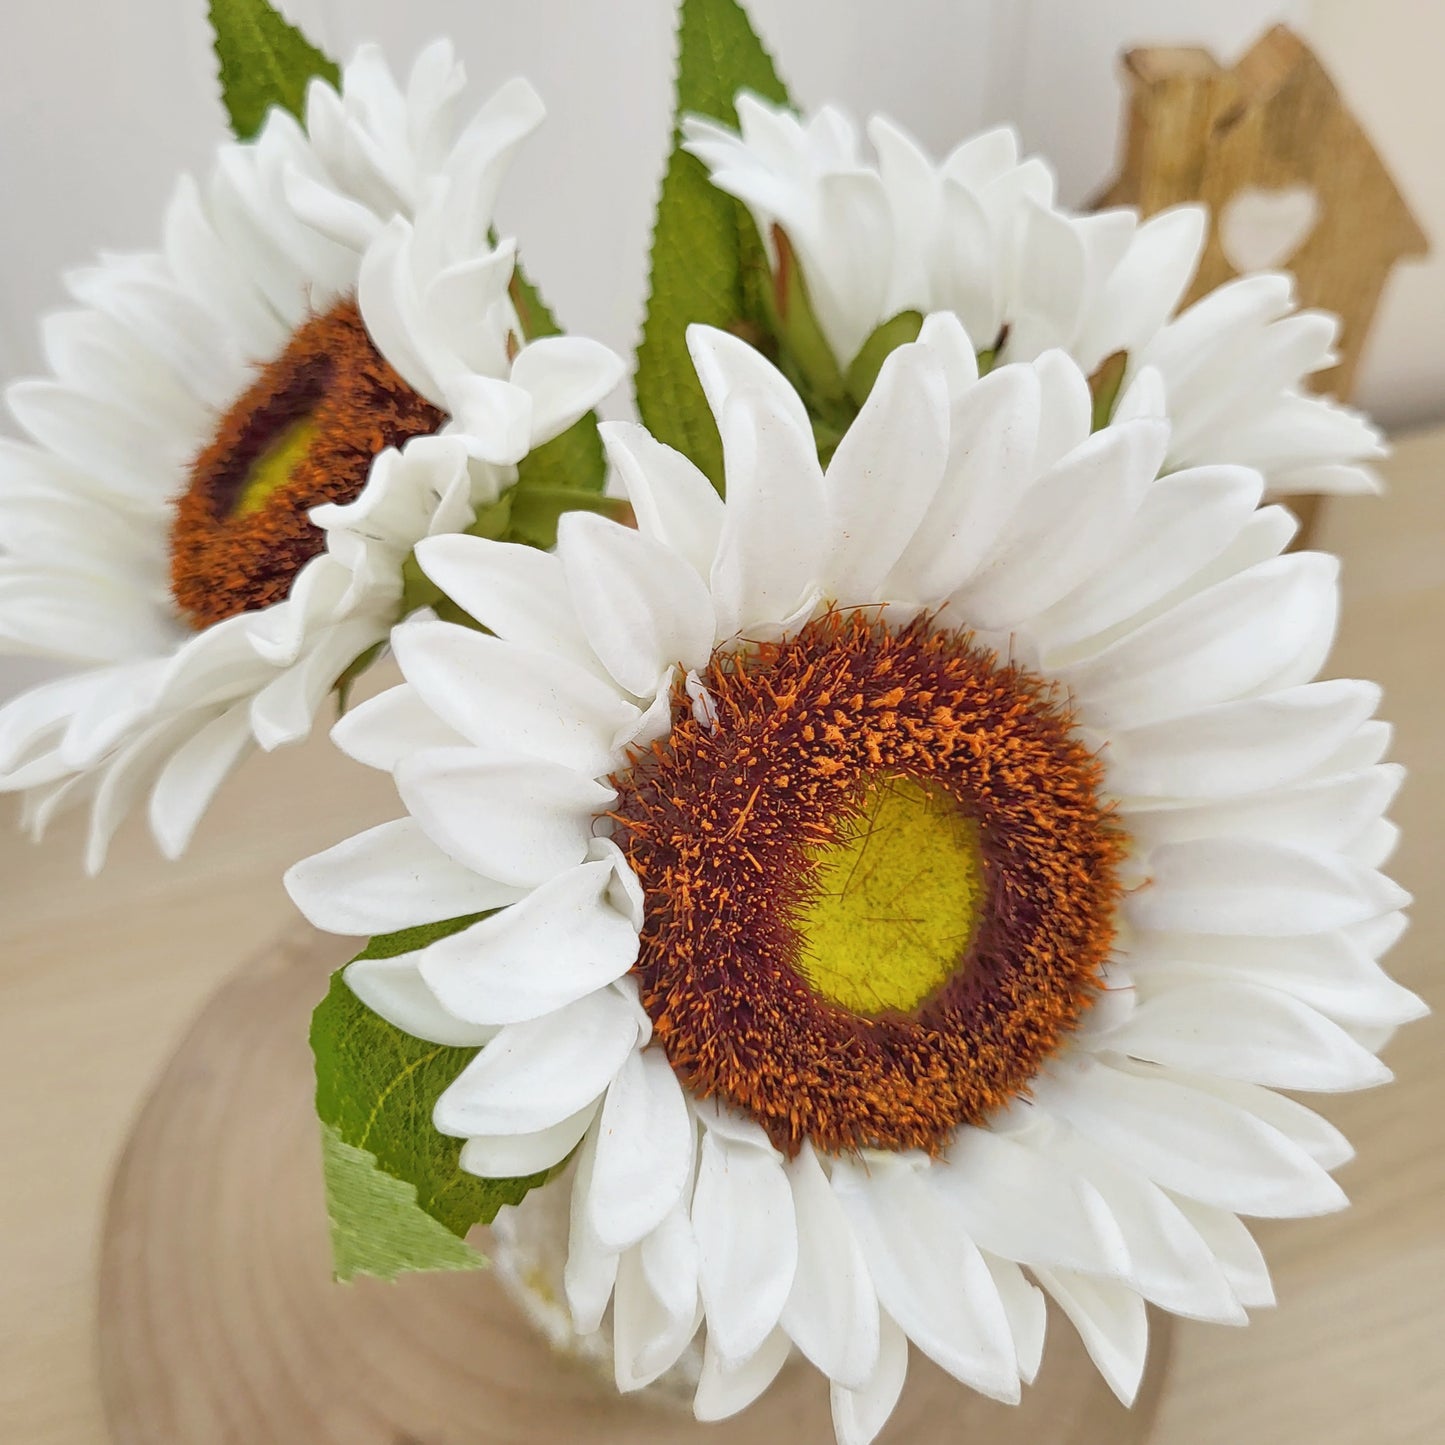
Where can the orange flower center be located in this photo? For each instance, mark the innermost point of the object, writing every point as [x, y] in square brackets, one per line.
[880, 883]
[306, 432]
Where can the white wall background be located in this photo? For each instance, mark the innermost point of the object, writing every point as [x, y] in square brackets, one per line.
[103, 101]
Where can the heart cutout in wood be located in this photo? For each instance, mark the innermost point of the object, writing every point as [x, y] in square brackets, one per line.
[1261, 229]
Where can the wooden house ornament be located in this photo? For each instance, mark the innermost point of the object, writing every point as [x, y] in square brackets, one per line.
[1289, 175]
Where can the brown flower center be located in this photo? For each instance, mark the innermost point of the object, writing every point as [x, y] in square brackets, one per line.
[880, 886]
[306, 432]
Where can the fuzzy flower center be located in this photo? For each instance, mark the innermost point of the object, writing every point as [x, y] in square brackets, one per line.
[304, 433]
[879, 883]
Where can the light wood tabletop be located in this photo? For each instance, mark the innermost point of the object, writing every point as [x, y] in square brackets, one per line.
[98, 980]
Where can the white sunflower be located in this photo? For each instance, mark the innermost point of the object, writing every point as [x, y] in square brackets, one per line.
[246, 432]
[906, 882]
[981, 235]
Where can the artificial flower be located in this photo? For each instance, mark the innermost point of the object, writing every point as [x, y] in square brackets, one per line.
[981, 235]
[246, 431]
[905, 883]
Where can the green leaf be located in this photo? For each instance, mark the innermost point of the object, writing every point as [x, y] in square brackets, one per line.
[355, 668]
[264, 62]
[536, 511]
[892, 334]
[532, 311]
[708, 263]
[803, 350]
[575, 459]
[376, 1088]
[1104, 387]
[376, 1226]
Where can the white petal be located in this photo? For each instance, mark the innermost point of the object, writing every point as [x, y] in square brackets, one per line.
[382, 730]
[1111, 1321]
[533, 1075]
[929, 1275]
[1018, 1204]
[859, 1415]
[643, 607]
[645, 1146]
[393, 988]
[945, 337]
[742, 1213]
[674, 502]
[516, 591]
[1184, 522]
[1317, 1137]
[1027, 1311]
[1235, 1250]
[1253, 886]
[123, 780]
[33, 720]
[190, 779]
[1169, 1263]
[993, 435]
[591, 1269]
[494, 418]
[1065, 409]
[561, 942]
[772, 544]
[1052, 266]
[1143, 290]
[283, 711]
[1255, 1034]
[517, 822]
[727, 365]
[513, 1156]
[1190, 1142]
[1067, 526]
[566, 376]
[1240, 747]
[725, 1387]
[884, 473]
[391, 309]
[832, 1312]
[1326, 813]
[648, 1335]
[1331, 972]
[513, 698]
[388, 878]
[1221, 644]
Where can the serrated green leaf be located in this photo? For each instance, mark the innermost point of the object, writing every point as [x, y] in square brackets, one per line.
[707, 259]
[376, 1088]
[377, 1227]
[264, 61]
[895, 332]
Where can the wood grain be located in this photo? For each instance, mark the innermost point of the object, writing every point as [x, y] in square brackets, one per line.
[1196, 131]
[219, 1320]
[99, 979]
[1274, 123]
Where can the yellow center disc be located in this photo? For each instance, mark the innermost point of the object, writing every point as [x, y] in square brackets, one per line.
[895, 903]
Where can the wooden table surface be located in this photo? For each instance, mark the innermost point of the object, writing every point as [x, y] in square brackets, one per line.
[98, 980]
